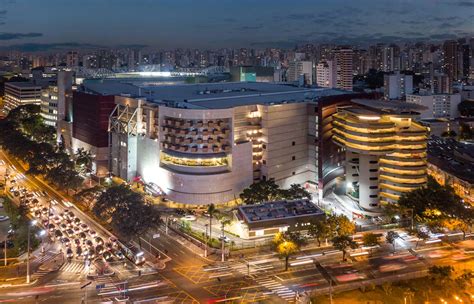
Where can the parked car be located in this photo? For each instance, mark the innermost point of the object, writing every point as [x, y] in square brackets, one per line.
[119, 254]
[188, 217]
[69, 253]
[98, 240]
[4, 218]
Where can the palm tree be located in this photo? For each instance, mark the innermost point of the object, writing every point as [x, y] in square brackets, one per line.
[211, 210]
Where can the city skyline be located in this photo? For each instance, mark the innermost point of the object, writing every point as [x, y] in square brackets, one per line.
[30, 26]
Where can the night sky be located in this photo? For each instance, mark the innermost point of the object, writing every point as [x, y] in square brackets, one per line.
[46, 24]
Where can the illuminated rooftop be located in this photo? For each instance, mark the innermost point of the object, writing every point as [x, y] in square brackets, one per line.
[212, 95]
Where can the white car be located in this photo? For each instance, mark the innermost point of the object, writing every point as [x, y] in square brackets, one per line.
[188, 218]
[4, 218]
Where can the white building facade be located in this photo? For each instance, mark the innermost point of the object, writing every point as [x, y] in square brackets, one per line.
[437, 106]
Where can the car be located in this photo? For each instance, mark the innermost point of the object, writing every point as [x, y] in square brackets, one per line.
[84, 227]
[108, 256]
[70, 232]
[45, 222]
[62, 215]
[57, 220]
[226, 239]
[16, 193]
[44, 211]
[58, 234]
[37, 214]
[82, 236]
[68, 223]
[188, 217]
[119, 254]
[4, 218]
[77, 242]
[91, 253]
[76, 230]
[51, 227]
[99, 249]
[69, 253]
[98, 240]
[63, 227]
[70, 215]
[76, 221]
[92, 233]
[109, 246]
[78, 251]
[66, 241]
[89, 244]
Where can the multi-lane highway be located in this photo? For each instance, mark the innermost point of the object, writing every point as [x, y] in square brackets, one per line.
[183, 275]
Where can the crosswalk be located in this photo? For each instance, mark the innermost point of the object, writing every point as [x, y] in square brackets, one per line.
[73, 267]
[277, 288]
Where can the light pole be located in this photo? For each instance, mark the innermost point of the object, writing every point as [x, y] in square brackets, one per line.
[223, 244]
[6, 238]
[32, 223]
[205, 241]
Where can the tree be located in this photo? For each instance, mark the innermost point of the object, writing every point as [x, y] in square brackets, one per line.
[370, 239]
[83, 160]
[261, 191]
[295, 191]
[343, 243]
[391, 237]
[436, 205]
[319, 230]
[287, 244]
[341, 225]
[127, 211]
[441, 274]
[211, 211]
[421, 235]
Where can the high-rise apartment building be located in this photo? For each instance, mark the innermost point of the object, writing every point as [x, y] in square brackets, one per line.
[451, 63]
[385, 153]
[72, 59]
[441, 84]
[397, 85]
[343, 57]
[391, 58]
[326, 74]
[300, 70]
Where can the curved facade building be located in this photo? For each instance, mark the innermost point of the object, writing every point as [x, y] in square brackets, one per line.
[203, 144]
[385, 154]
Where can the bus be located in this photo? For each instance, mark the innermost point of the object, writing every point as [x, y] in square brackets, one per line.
[134, 254]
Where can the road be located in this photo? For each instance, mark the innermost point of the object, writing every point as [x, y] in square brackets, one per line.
[188, 277]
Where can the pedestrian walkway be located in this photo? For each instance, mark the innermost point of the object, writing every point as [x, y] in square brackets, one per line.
[73, 267]
[277, 288]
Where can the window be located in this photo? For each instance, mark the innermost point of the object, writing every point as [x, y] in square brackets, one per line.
[264, 161]
[374, 205]
[353, 167]
[293, 143]
[355, 174]
[373, 162]
[373, 178]
[264, 178]
[293, 157]
[264, 146]
[293, 173]
[373, 170]
[373, 187]
[373, 196]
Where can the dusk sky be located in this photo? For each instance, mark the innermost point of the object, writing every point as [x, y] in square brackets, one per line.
[43, 24]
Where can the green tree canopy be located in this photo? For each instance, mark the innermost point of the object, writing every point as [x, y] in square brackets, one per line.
[343, 243]
[265, 191]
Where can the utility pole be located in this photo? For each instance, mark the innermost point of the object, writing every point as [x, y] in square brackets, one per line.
[330, 291]
[28, 253]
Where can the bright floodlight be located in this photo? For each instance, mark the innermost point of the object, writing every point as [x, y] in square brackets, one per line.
[34, 222]
[140, 254]
[42, 232]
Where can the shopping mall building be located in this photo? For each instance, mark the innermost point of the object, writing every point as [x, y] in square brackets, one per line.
[205, 143]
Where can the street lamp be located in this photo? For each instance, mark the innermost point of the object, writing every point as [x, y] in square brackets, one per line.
[205, 241]
[32, 223]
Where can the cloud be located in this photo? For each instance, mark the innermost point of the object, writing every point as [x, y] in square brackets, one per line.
[14, 36]
[300, 16]
[41, 47]
[443, 36]
[414, 22]
[464, 3]
[3, 12]
[250, 27]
